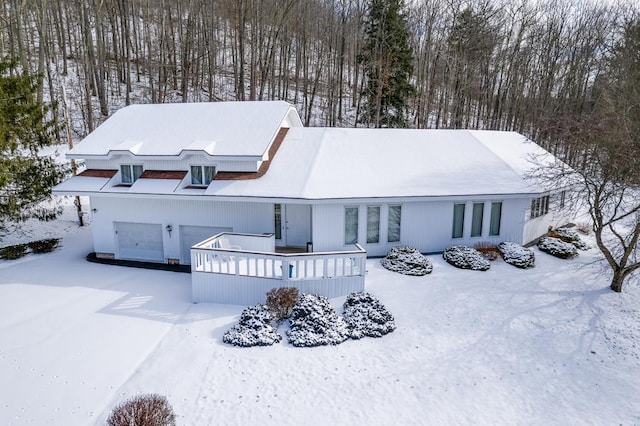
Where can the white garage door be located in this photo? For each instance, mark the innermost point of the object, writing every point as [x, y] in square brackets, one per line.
[190, 235]
[139, 241]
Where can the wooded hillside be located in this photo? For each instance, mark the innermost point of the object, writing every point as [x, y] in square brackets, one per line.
[496, 64]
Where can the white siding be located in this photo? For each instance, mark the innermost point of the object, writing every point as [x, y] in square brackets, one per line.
[237, 216]
[538, 226]
[175, 164]
[243, 290]
[426, 225]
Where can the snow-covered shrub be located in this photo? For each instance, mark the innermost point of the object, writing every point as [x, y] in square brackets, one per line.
[466, 258]
[488, 250]
[517, 255]
[253, 329]
[569, 235]
[44, 246]
[407, 260]
[366, 316]
[13, 252]
[558, 248]
[314, 322]
[143, 410]
[280, 302]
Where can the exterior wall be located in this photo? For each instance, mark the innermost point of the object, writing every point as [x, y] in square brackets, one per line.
[557, 216]
[183, 164]
[243, 290]
[238, 216]
[426, 225]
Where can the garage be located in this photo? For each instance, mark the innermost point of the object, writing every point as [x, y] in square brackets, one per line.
[190, 235]
[139, 241]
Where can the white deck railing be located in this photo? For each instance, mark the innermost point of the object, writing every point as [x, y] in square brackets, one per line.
[246, 267]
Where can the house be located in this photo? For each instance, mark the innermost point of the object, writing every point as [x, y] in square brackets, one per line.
[162, 178]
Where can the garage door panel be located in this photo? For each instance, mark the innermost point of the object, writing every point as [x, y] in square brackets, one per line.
[191, 235]
[139, 241]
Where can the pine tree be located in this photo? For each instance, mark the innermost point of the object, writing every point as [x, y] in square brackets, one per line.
[387, 62]
[26, 177]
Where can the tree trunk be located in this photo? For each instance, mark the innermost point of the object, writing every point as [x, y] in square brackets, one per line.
[617, 281]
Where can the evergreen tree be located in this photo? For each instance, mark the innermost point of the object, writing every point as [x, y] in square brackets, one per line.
[26, 178]
[387, 62]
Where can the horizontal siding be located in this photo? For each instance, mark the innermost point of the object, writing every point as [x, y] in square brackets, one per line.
[243, 290]
[221, 165]
[424, 225]
[238, 216]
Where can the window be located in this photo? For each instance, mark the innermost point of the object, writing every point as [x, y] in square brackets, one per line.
[563, 195]
[496, 216]
[476, 219]
[395, 212]
[202, 175]
[539, 207]
[458, 220]
[277, 218]
[373, 225]
[130, 173]
[350, 225]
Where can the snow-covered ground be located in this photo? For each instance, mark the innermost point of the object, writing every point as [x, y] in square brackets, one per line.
[548, 345]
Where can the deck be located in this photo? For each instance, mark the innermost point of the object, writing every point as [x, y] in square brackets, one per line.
[247, 266]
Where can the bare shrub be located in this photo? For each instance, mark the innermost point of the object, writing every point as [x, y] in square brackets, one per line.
[280, 302]
[488, 250]
[143, 410]
[584, 227]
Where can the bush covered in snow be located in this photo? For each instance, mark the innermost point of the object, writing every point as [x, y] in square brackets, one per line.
[517, 255]
[253, 329]
[13, 252]
[280, 302]
[366, 316]
[569, 235]
[466, 258]
[558, 248]
[44, 246]
[407, 260]
[314, 322]
[143, 410]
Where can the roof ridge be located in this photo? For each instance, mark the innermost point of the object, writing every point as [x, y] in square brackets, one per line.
[471, 132]
[314, 163]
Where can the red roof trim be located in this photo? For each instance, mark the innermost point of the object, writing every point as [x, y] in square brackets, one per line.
[163, 174]
[98, 173]
[264, 167]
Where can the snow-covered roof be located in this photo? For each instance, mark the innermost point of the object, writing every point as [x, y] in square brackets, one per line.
[234, 129]
[345, 163]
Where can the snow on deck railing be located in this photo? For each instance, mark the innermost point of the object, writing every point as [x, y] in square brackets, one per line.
[253, 255]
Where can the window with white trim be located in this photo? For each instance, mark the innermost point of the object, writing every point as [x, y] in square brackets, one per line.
[277, 220]
[496, 217]
[476, 219]
[130, 173]
[458, 221]
[202, 175]
[373, 224]
[393, 230]
[539, 207]
[350, 225]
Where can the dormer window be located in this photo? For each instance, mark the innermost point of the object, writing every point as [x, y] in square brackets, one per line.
[130, 173]
[202, 175]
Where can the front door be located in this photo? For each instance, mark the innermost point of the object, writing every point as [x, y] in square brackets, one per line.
[296, 224]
